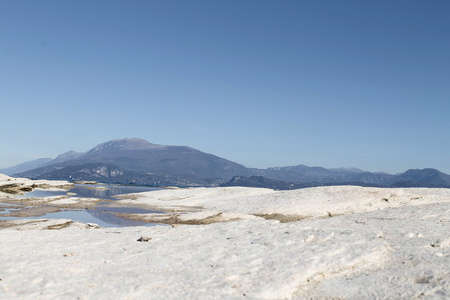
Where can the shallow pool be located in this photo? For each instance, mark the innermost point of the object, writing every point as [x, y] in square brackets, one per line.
[100, 191]
[101, 215]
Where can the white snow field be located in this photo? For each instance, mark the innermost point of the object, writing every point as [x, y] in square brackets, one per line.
[342, 242]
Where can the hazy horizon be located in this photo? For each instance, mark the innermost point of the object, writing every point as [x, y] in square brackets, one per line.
[264, 167]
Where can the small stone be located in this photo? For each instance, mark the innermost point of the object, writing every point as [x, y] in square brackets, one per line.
[422, 280]
[144, 239]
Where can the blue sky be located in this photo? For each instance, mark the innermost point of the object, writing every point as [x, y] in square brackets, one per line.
[264, 83]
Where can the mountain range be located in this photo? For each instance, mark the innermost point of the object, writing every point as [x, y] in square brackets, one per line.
[136, 161]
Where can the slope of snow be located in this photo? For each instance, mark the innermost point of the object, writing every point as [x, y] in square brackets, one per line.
[358, 243]
[304, 203]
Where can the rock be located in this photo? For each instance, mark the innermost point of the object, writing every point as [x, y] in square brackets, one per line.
[144, 239]
[13, 185]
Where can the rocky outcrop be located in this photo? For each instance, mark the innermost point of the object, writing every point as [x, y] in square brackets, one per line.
[13, 185]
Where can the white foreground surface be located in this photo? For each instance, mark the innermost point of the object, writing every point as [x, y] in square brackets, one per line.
[378, 243]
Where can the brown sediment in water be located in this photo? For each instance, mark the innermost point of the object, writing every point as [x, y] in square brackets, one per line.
[4, 207]
[77, 203]
[17, 206]
[174, 219]
[282, 218]
[43, 224]
[67, 186]
[169, 209]
[37, 207]
[35, 211]
[11, 224]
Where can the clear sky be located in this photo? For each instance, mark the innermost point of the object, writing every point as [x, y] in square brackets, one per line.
[346, 83]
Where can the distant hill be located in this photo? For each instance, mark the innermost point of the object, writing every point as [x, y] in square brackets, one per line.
[422, 178]
[411, 178]
[40, 162]
[136, 161]
[262, 182]
[305, 174]
[29, 165]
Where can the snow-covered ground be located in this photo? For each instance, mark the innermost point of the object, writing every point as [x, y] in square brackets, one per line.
[244, 203]
[332, 243]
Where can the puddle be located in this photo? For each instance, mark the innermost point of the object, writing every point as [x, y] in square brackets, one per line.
[127, 210]
[110, 220]
[101, 215]
[101, 191]
[6, 208]
[87, 216]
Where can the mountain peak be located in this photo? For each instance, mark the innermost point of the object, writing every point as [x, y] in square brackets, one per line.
[422, 171]
[69, 154]
[427, 177]
[125, 144]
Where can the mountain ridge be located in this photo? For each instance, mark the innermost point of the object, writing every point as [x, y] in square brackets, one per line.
[145, 163]
[137, 161]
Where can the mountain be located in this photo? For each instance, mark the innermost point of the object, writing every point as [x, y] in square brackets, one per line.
[40, 162]
[102, 172]
[430, 178]
[422, 178]
[262, 182]
[138, 161]
[29, 165]
[305, 174]
[64, 157]
[411, 178]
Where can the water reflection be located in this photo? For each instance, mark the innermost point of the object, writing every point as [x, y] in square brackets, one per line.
[113, 220]
[100, 218]
[100, 191]
[6, 208]
[107, 191]
[101, 215]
